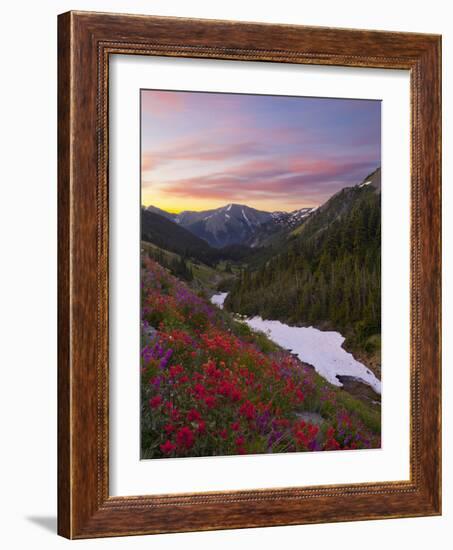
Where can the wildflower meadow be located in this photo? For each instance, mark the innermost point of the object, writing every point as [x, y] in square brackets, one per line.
[210, 386]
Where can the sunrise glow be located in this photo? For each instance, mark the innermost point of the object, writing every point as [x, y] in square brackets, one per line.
[204, 150]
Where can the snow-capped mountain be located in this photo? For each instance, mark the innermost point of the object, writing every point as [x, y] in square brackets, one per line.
[240, 224]
[234, 223]
[291, 219]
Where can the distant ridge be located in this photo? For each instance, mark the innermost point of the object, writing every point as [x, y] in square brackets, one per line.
[325, 272]
[233, 223]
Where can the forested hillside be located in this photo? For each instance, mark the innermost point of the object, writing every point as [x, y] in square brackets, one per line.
[168, 235]
[328, 273]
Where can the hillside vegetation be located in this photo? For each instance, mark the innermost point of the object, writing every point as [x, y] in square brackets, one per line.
[327, 272]
[170, 236]
[210, 386]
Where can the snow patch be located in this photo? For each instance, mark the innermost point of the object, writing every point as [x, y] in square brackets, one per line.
[246, 219]
[322, 349]
[219, 299]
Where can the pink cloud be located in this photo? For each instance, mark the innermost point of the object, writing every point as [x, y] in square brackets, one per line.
[274, 178]
[191, 149]
[160, 103]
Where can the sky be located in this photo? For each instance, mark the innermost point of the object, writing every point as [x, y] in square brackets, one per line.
[205, 150]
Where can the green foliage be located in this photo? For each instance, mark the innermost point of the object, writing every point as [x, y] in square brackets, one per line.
[329, 274]
[226, 284]
[211, 386]
[170, 236]
[370, 417]
[177, 265]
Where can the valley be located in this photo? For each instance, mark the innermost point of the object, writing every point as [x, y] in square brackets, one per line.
[311, 267]
[300, 289]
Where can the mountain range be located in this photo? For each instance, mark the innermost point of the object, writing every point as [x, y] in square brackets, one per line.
[313, 266]
[326, 271]
[168, 235]
[231, 231]
[234, 224]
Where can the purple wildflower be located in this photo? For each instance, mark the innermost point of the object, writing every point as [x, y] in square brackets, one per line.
[166, 359]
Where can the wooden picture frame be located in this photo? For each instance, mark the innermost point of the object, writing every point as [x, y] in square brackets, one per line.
[85, 42]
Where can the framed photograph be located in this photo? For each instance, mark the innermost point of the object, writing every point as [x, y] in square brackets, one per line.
[249, 275]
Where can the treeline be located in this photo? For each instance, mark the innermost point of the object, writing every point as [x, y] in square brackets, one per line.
[170, 236]
[177, 265]
[327, 275]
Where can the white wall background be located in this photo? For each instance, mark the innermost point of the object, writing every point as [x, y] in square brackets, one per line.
[28, 123]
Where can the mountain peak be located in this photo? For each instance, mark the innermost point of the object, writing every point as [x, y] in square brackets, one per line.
[234, 223]
[372, 180]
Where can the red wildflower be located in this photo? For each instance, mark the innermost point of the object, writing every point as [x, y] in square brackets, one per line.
[248, 410]
[331, 445]
[302, 438]
[193, 415]
[169, 428]
[185, 437]
[210, 368]
[235, 426]
[330, 432]
[223, 434]
[155, 401]
[175, 370]
[199, 390]
[235, 394]
[210, 402]
[300, 396]
[201, 427]
[168, 447]
[240, 444]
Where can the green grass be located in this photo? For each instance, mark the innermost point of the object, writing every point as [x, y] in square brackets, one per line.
[369, 416]
[206, 275]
